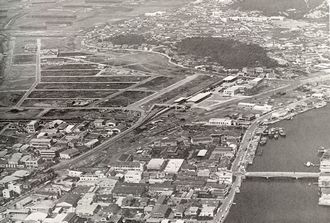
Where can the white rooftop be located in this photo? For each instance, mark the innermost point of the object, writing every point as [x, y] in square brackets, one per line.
[155, 164]
[202, 152]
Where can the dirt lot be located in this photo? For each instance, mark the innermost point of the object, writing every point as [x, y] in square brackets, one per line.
[23, 114]
[60, 43]
[71, 94]
[69, 72]
[139, 61]
[95, 79]
[159, 83]
[90, 114]
[126, 98]
[69, 66]
[18, 78]
[24, 59]
[10, 98]
[84, 85]
[48, 102]
[21, 42]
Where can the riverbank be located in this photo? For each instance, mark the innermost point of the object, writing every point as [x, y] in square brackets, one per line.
[284, 201]
[305, 134]
[272, 201]
[286, 120]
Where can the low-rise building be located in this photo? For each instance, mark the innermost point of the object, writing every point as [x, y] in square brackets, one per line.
[50, 154]
[245, 105]
[156, 164]
[32, 162]
[173, 166]
[126, 189]
[263, 108]
[221, 122]
[325, 197]
[133, 176]
[324, 180]
[32, 126]
[201, 140]
[41, 143]
[325, 162]
[207, 212]
[199, 97]
[87, 209]
[160, 211]
[127, 166]
[74, 173]
[99, 123]
[69, 153]
[225, 176]
[14, 160]
[232, 91]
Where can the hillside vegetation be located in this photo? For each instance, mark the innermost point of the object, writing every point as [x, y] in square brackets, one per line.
[289, 8]
[227, 52]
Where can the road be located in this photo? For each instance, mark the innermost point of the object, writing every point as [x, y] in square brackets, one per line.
[37, 78]
[164, 91]
[120, 91]
[223, 211]
[4, 128]
[240, 159]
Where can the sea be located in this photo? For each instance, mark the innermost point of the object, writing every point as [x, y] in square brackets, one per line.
[286, 200]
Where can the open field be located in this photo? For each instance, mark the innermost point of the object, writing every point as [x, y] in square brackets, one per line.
[138, 61]
[79, 15]
[159, 83]
[54, 43]
[19, 114]
[126, 98]
[24, 59]
[84, 85]
[71, 94]
[69, 66]
[83, 72]
[22, 42]
[95, 79]
[54, 60]
[10, 98]
[88, 114]
[18, 77]
[49, 102]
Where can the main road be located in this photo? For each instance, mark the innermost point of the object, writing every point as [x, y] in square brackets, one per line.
[236, 169]
[105, 145]
[37, 78]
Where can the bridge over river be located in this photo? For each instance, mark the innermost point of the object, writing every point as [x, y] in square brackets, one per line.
[295, 175]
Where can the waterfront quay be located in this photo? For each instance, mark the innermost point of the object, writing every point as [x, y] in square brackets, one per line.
[287, 159]
[250, 144]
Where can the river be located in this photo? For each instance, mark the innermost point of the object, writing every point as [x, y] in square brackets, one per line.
[281, 201]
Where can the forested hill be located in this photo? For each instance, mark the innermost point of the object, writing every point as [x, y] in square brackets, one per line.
[226, 52]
